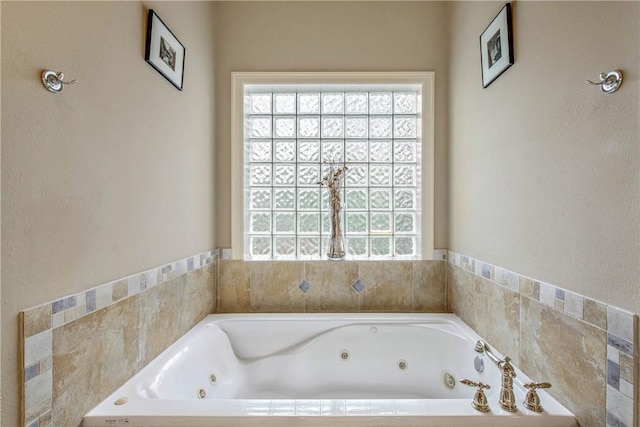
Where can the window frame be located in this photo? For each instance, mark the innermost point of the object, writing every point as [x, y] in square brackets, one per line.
[426, 81]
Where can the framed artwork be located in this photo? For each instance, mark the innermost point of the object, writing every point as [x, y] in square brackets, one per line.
[164, 52]
[496, 46]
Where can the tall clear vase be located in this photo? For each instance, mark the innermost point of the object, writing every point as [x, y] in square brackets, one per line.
[335, 249]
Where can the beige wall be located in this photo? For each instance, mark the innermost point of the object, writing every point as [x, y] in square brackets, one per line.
[110, 177]
[544, 177]
[328, 36]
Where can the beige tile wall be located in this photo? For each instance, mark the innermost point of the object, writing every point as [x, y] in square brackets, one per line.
[393, 286]
[552, 335]
[73, 366]
[96, 354]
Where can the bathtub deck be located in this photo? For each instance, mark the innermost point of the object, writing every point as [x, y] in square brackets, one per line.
[175, 390]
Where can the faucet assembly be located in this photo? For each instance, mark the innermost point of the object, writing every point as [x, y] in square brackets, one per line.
[507, 398]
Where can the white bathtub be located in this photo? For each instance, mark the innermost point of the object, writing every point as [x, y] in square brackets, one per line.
[302, 370]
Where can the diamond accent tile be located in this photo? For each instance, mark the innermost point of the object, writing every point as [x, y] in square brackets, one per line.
[304, 286]
[358, 286]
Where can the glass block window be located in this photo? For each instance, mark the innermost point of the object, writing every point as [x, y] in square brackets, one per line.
[291, 136]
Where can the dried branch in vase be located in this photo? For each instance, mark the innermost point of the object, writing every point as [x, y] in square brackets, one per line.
[333, 180]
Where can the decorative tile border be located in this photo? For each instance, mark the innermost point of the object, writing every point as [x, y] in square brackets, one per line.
[620, 325]
[39, 322]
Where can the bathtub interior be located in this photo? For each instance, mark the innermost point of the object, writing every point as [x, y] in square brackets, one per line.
[358, 360]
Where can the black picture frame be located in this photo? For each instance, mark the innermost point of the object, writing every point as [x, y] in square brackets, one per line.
[163, 50]
[496, 46]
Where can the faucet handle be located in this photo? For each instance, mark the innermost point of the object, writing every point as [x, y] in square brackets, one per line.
[533, 386]
[532, 400]
[479, 399]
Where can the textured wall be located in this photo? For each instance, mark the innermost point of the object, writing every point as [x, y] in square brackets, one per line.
[110, 177]
[329, 36]
[544, 176]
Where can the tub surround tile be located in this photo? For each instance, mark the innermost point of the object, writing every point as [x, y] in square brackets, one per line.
[358, 286]
[595, 313]
[282, 295]
[620, 406]
[42, 325]
[588, 336]
[104, 296]
[234, 291]
[556, 347]
[31, 371]
[530, 288]
[169, 310]
[331, 286]
[46, 419]
[472, 297]
[429, 287]
[548, 294]
[613, 374]
[304, 286]
[74, 313]
[41, 410]
[37, 320]
[63, 304]
[626, 368]
[120, 290]
[472, 292]
[621, 344]
[37, 347]
[487, 271]
[389, 285]
[37, 393]
[161, 317]
[90, 300]
[613, 421]
[164, 313]
[166, 273]
[133, 285]
[201, 298]
[574, 305]
[620, 323]
[152, 278]
[512, 281]
[626, 388]
[613, 354]
[79, 383]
